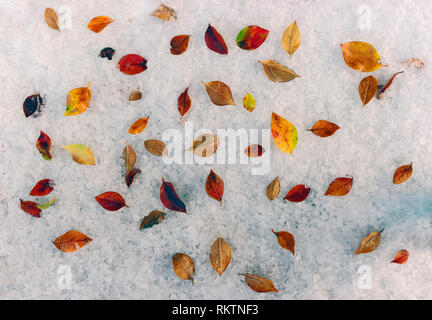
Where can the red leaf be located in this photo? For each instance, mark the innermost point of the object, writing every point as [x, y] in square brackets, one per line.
[184, 102]
[215, 41]
[298, 193]
[254, 150]
[31, 208]
[43, 144]
[42, 188]
[385, 87]
[401, 257]
[179, 44]
[130, 176]
[132, 64]
[251, 37]
[170, 199]
[111, 201]
[215, 186]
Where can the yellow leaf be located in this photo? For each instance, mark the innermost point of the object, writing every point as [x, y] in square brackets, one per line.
[249, 102]
[361, 56]
[284, 134]
[291, 38]
[80, 154]
[77, 101]
[138, 126]
[277, 72]
[51, 18]
[97, 24]
[370, 242]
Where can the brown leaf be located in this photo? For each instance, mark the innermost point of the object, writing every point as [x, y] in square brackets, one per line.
[277, 72]
[97, 24]
[383, 88]
[179, 44]
[138, 126]
[71, 241]
[401, 257]
[273, 189]
[414, 63]
[31, 208]
[111, 201]
[215, 41]
[205, 145]
[130, 176]
[154, 217]
[183, 266]
[129, 156]
[164, 13]
[402, 174]
[156, 147]
[214, 186]
[254, 150]
[286, 240]
[370, 242]
[170, 199]
[184, 103]
[367, 89]
[324, 128]
[259, 284]
[298, 193]
[51, 18]
[220, 255]
[135, 95]
[42, 188]
[219, 93]
[339, 187]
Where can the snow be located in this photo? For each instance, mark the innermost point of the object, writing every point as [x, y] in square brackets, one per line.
[122, 262]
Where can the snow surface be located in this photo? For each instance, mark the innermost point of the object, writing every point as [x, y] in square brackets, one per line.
[122, 262]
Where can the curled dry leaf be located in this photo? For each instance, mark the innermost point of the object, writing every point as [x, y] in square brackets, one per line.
[259, 284]
[324, 128]
[184, 103]
[135, 95]
[251, 37]
[298, 193]
[164, 13]
[370, 242]
[179, 44]
[107, 53]
[361, 56]
[286, 240]
[273, 189]
[51, 19]
[132, 64]
[71, 241]
[254, 150]
[291, 38]
[156, 147]
[31, 208]
[32, 105]
[97, 24]
[220, 255]
[367, 89]
[401, 257]
[402, 174]
[414, 63]
[249, 102]
[78, 100]
[42, 188]
[154, 217]
[47, 204]
[385, 87]
[80, 154]
[219, 93]
[284, 133]
[339, 187]
[111, 201]
[170, 199]
[43, 144]
[138, 126]
[205, 145]
[214, 186]
[277, 72]
[183, 266]
[129, 156]
[130, 176]
[215, 41]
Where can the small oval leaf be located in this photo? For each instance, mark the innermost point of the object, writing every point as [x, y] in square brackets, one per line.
[184, 103]
[111, 201]
[277, 72]
[367, 89]
[251, 37]
[249, 102]
[286, 240]
[156, 147]
[71, 241]
[132, 64]
[154, 217]
[220, 255]
[32, 105]
[77, 101]
[97, 24]
[291, 38]
[214, 186]
[259, 284]
[129, 156]
[130, 176]
[183, 266]
[298, 193]
[324, 128]
[284, 133]
[43, 144]
[135, 95]
[42, 188]
[273, 189]
[80, 154]
[361, 56]
[339, 187]
[215, 41]
[51, 19]
[31, 208]
[403, 173]
[401, 257]
[179, 44]
[138, 126]
[170, 199]
[219, 93]
[254, 150]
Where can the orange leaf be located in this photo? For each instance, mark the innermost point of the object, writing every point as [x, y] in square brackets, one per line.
[215, 41]
[183, 266]
[184, 103]
[179, 44]
[361, 56]
[286, 240]
[324, 128]
[97, 24]
[156, 147]
[138, 126]
[370, 242]
[111, 201]
[215, 186]
[51, 18]
[71, 241]
[402, 173]
[259, 284]
[220, 255]
[219, 93]
[401, 257]
[339, 187]
[367, 89]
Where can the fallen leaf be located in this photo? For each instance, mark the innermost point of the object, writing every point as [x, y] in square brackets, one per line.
[71, 241]
[184, 103]
[284, 133]
[286, 240]
[135, 95]
[42, 188]
[249, 102]
[367, 89]
[170, 199]
[361, 56]
[32, 105]
[78, 100]
[291, 38]
[179, 44]
[97, 24]
[215, 41]
[219, 93]
[339, 187]
[154, 217]
[130, 176]
[138, 126]
[214, 186]
[220, 255]
[277, 72]
[324, 128]
[401, 257]
[107, 53]
[31, 208]
[46, 205]
[43, 144]
[164, 13]
[251, 37]
[51, 18]
[111, 201]
[205, 145]
[298, 193]
[132, 64]
[385, 87]
[183, 266]
[254, 150]
[273, 189]
[259, 284]
[370, 242]
[414, 63]
[156, 147]
[402, 174]
[80, 153]
[129, 156]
